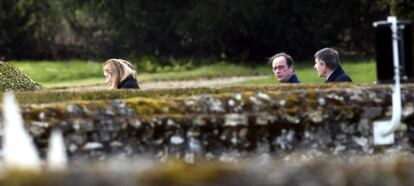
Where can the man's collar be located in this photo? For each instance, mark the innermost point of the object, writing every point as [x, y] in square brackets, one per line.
[329, 75]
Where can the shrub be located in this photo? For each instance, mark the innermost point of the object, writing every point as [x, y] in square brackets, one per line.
[12, 78]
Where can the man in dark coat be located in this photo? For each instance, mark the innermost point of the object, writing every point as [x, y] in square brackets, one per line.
[282, 66]
[327, 65]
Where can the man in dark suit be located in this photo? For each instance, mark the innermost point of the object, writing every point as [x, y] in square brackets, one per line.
[282, 66]
[327, 65]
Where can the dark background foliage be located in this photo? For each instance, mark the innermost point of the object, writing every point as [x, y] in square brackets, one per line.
[238, 30]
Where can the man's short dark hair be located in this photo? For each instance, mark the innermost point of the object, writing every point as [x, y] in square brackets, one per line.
[289, 60]
[329, 56]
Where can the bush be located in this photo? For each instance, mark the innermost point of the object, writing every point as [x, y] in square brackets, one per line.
[13, 79]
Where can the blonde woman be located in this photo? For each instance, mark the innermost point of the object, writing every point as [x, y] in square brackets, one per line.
[120, 74]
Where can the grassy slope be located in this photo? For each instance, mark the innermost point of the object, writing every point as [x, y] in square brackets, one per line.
[51, 74]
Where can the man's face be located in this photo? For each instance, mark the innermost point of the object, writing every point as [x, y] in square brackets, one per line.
[319, 67]
[281, 70]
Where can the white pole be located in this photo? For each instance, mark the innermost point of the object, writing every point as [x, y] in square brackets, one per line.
[396, 96]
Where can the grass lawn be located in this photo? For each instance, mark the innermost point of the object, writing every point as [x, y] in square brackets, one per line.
[53, 74]
[70, 73]
[45, 72]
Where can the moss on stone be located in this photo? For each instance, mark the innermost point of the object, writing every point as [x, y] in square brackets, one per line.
[180, 173]
[12, 78]
[21, 177]
[60, 96]
[146, 106]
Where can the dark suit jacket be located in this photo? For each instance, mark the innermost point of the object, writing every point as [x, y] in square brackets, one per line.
[293, 79]
[129, 82]
[338, 75]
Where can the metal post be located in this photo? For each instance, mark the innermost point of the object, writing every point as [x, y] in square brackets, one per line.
[384, 130]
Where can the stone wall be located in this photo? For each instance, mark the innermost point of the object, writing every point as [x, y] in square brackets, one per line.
[224, 126]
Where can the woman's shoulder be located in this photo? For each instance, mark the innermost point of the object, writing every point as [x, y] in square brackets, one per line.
[129, 82]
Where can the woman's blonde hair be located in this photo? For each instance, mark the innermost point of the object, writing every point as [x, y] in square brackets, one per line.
[119, 69]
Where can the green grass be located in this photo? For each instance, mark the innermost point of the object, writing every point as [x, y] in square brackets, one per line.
[207, 72]
[45, 72]
[361, 71]
[74, 83]
[55, 74]
[70, 73]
